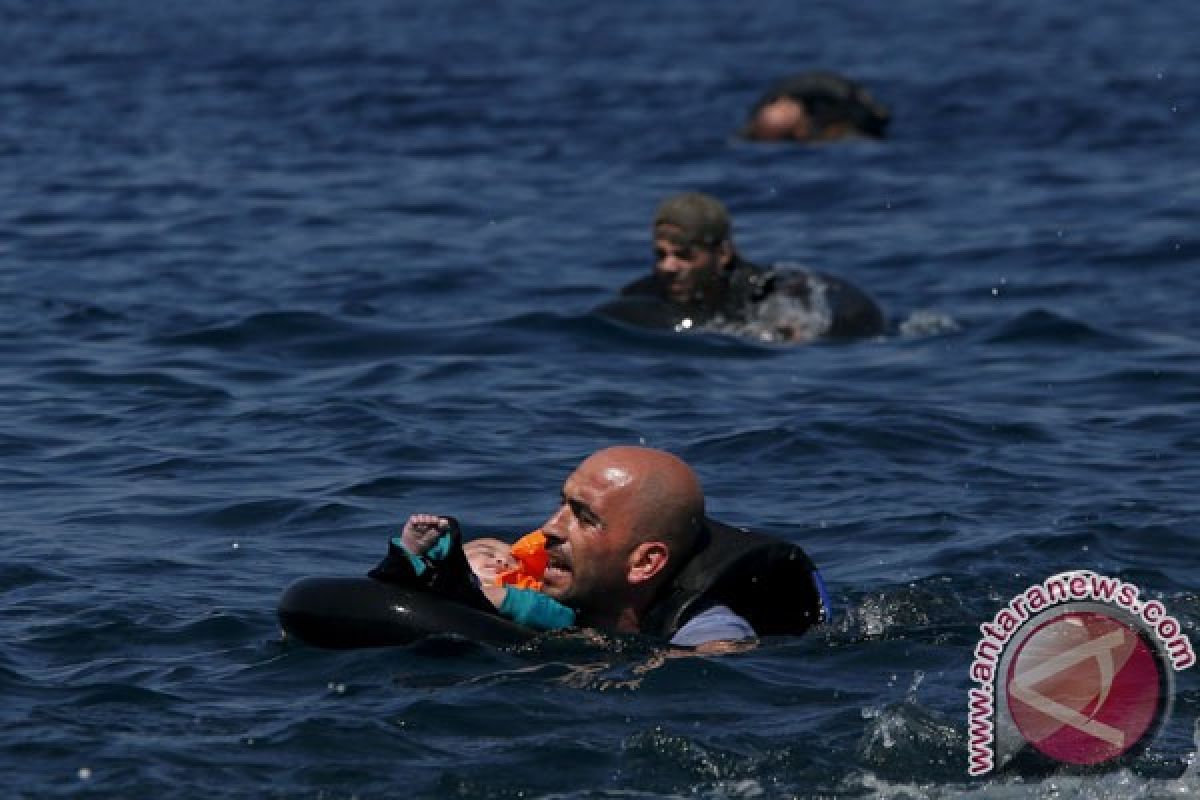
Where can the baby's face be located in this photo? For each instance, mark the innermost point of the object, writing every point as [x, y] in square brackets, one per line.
[488, 558]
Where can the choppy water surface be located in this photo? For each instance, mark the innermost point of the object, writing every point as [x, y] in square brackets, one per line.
[273, 276]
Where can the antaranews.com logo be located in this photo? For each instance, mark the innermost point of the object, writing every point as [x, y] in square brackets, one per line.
[1079, 668]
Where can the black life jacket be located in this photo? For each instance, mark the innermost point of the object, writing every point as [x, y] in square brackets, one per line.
[771, 583]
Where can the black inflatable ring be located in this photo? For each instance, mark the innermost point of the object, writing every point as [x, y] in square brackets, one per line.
[346, 613]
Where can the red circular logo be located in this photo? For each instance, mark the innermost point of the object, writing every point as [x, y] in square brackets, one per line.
[1084, 688]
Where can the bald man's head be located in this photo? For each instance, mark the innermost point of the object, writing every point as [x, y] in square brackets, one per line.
[629, 518]
[668, 497]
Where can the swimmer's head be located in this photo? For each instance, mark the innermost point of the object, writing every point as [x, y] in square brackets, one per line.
[693, 247]
[782, 118]
[488, 558]
[816, 107]
[697, 219]
[629, 518]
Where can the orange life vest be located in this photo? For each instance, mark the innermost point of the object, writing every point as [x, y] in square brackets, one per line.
[530, 552]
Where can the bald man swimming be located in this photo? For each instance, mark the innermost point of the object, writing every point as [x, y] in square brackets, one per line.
[630, 549]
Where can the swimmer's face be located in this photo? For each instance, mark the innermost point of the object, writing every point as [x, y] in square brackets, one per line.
[488, 558]
[590, 535]
[688, 274]
[779, 120]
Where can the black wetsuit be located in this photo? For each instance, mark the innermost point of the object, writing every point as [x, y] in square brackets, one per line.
[851, 312]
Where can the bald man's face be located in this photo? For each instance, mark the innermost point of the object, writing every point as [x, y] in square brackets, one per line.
[590, 536]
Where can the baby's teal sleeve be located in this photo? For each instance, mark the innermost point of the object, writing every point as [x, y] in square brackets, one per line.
[536, 610]
[440, 549]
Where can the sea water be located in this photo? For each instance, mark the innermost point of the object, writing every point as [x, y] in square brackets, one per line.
[275, 275]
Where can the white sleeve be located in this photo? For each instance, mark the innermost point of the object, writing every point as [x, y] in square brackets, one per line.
[718, 623]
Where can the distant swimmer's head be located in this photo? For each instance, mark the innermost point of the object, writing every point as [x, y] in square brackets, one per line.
[693, 248]
[488, 558]
[816, 107]
[781, 118]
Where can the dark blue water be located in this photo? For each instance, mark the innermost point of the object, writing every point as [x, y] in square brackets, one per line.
[275, 275]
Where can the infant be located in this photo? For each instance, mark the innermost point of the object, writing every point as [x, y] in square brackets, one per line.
[432, 554]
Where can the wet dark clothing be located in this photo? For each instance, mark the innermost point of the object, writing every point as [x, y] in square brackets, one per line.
[767, 582]
[774, 304]
[449, 576]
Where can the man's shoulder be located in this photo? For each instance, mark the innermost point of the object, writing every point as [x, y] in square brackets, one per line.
[717, 623]
[853, 312]
[645, 285]
[641, 303]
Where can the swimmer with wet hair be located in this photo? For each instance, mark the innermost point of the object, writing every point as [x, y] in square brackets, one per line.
[482, 573]
[816, 107]
[700, 282]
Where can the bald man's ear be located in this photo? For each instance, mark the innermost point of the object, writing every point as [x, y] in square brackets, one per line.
[647, 560]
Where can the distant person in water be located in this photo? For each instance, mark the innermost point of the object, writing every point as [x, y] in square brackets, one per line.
[701, 282]
[816, 107]
[482, 573]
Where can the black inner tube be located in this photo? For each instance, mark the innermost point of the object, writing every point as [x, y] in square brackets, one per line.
[346, 613]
